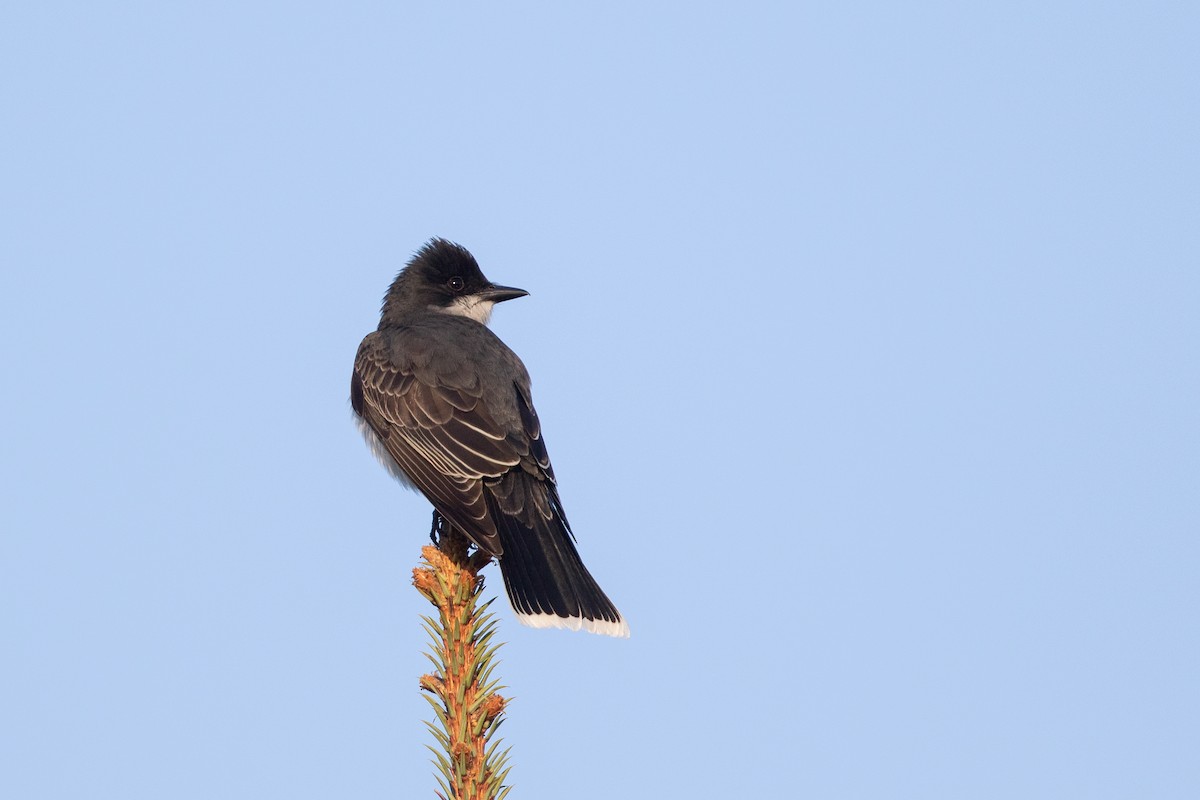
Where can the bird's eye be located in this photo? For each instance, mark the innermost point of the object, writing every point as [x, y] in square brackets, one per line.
[456, 284]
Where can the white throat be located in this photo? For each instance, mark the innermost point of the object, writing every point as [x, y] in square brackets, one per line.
[470, 306]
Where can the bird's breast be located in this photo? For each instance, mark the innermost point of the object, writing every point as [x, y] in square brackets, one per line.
[381, 453]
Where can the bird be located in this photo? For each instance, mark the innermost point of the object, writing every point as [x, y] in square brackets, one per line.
[445, 405]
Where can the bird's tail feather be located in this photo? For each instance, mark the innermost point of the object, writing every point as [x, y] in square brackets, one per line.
[546, 581]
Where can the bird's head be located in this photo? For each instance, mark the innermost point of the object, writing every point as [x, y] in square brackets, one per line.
[444, 276]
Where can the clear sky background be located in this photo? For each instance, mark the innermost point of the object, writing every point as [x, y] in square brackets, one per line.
[865, 337]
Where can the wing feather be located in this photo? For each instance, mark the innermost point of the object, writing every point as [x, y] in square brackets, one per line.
[448, 442]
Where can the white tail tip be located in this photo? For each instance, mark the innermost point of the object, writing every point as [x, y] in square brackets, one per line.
[603, 627]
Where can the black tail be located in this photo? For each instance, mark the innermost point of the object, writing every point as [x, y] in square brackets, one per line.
[547, 583]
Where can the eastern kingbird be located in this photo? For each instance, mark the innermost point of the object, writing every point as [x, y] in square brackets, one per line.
[445, 406]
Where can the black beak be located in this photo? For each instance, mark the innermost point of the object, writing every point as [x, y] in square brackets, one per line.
[498, 294]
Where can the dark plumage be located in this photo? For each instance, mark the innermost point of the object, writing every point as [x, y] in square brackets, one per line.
[447, 408]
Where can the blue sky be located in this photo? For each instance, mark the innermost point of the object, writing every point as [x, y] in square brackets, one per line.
[864, 337]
